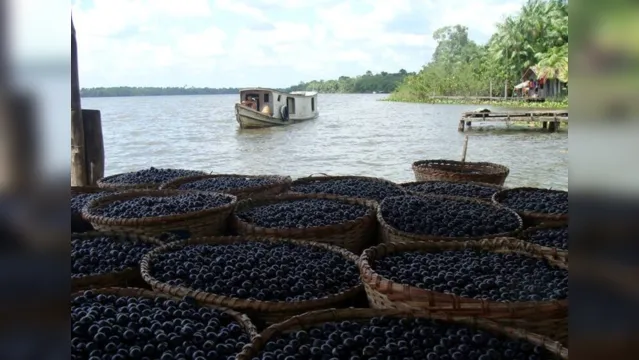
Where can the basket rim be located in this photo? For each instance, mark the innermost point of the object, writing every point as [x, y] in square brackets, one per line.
[326, 178]
[371, 278]
[498, 197]
[498, 168]
[316, 317]
[242, 319]
[253, 203]
[525, 236]
[245, 304]
[125, 195]
[176, 183]
[421, 237]
[122, 185]
[409, 191]
[122, 235]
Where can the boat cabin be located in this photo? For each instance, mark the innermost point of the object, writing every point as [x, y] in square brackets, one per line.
[297, 105]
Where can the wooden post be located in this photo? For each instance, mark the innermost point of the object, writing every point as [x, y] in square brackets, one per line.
[93, 144]
[465, 149]
[78, 156]
[18, 142]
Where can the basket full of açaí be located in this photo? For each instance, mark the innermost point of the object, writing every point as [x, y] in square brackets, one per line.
[183, 264]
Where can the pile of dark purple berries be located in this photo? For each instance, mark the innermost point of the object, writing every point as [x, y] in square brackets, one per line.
[226, 183]
[149, 176]
[79, 200]
[257, 270]
[447, 217]
[104, 255]
[118, 327]
[358, 188]
[477, 274]
[303, 213]
[152, 206]
[450, 188]
[541, 201]
[392, 338]
[550, 237]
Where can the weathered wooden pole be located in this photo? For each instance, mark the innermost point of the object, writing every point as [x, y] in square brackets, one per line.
[94, 145]
[465, 149]
[78, 158]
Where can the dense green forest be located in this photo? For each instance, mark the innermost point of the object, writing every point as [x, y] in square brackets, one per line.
[537, 35]
[368, 83]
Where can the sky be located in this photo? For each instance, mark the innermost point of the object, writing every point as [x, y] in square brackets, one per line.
[268, 43]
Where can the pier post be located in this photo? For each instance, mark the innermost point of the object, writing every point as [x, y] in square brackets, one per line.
[461, 125]
[93, 144]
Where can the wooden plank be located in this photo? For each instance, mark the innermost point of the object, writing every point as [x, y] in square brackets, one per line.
[520, 118]
[93, 144]
[78, 157]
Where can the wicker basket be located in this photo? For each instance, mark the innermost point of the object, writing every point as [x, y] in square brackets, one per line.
[127, 277]
[406, 187]
[279, 185]
[200, 223]
[78, 224]
[391, 234]
[548, 318]
[103, 183]
[318, 179]
[533, 218]
[264, 312]
[354, 235]
[316, 318]
[241, 319]
[482, 172]
[559, 253]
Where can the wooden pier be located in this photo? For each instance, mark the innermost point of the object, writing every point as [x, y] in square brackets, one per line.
[549, 119]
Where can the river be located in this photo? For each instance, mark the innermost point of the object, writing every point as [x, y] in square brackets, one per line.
[354, 135]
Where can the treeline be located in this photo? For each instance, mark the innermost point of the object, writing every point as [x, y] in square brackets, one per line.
[368, 83]
[152, 91]
[383, 82]
[536, 36]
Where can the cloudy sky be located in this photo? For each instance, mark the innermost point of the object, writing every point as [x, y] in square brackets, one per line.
[271, 43]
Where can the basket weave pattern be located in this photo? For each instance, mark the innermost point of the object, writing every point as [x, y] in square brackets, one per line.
[482, 172]
[279, 185]
[319, 317]
[532, 218]
[267, 312]
[242, 319]
[406, 187]
[198, 223]
[354, 235]
[391, 234]
[78, 224]
[555, 252]
[317, 179]
[548, 318]
[127, 277]
[103, 183]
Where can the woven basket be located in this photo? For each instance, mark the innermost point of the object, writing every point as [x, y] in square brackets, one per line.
[482, 172]
[242, 319]
[559, 253]
[78, 224]
[315, 318]
[548, 318]
[264, 312]
[199, 223]
[127, 277]
[103, 183]
[391, 234]
[318, 179]
[406, 187]
[279, 185]
[532, 218]
[354, 235]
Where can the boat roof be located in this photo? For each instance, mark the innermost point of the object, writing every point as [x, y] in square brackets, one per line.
[303, 93]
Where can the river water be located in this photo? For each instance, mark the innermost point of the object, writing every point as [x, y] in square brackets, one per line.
[354, 135]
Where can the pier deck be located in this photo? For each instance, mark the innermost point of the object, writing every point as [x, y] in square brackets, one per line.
[549, 119]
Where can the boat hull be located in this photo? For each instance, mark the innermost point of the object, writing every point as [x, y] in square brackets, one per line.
[251, 119]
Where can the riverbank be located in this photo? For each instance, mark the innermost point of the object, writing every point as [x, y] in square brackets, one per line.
[479, 101]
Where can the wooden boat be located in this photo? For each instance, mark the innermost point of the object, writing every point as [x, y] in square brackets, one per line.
[261, 107]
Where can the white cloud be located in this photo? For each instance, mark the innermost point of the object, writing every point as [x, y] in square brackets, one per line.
[131, 41]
